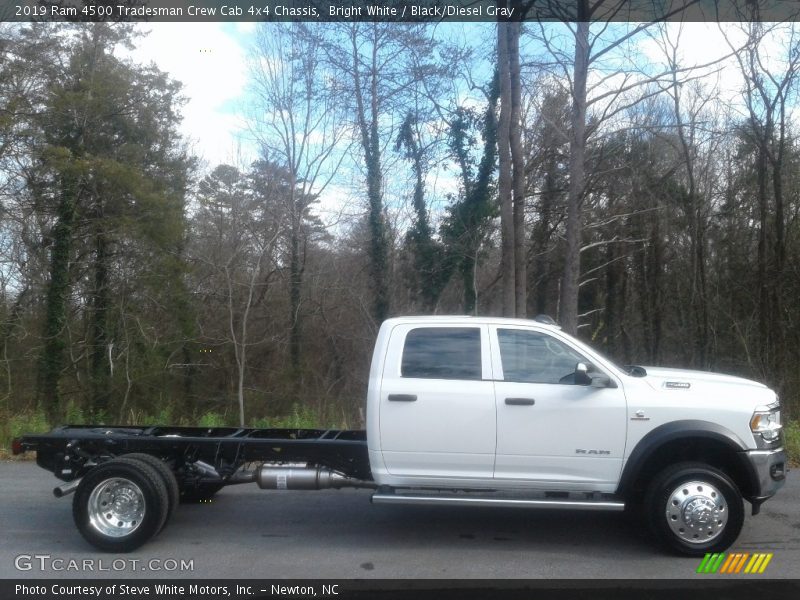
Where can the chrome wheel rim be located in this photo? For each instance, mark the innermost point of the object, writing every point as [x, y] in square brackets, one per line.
[696, 512]
[116, 507]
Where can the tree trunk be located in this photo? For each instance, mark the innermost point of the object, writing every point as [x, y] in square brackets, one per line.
[504, 177]
[780, 359]
[98, 341]
[656, 297]
[295, 285]
[428, 283]
[378, 243]
[52, 360]
[693, 209]
[518, 173]
[703, 339]
[762, 276]
[370, 142]
[614, 300]
[240, 383]
[568, 316]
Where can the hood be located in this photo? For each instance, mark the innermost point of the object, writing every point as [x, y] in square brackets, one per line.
[661, 378]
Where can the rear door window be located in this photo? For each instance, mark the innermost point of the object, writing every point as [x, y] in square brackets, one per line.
[442, 353]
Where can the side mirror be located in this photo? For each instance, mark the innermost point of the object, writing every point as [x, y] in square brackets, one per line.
[595, 379]
[582, 374]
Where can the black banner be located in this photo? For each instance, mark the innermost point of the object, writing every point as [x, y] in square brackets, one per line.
[398, 10]
[186, 589]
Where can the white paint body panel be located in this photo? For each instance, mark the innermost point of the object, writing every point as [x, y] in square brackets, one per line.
[461, 434]
[449, 431]
[538, 443]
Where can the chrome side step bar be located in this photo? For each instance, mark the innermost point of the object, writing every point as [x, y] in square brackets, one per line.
[506, 502]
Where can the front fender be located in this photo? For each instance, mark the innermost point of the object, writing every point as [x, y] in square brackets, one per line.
[689, 429]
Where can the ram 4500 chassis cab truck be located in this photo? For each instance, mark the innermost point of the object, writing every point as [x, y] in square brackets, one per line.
[463, 411]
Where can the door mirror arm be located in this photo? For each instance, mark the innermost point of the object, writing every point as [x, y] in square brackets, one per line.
[601, 380]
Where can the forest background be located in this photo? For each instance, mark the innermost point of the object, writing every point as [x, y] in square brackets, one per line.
[645, 197]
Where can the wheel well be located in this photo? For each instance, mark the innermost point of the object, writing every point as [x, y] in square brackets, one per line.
[709, 451]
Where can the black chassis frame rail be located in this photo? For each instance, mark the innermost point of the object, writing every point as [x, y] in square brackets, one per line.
[72, 450]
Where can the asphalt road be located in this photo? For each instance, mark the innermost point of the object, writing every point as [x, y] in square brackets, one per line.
[246, 532]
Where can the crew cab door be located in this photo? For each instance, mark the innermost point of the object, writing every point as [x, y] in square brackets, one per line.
[437, 407]
[549, 429]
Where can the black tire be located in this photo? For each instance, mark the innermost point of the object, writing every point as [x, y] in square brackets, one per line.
[151, 494]
[202, 492]
[695, 519]
[634, 508]
[167, 476]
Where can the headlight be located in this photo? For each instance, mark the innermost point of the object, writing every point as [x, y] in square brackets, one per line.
[766, 422]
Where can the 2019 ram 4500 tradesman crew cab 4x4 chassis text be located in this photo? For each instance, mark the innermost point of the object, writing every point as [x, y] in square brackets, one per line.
[464, 411]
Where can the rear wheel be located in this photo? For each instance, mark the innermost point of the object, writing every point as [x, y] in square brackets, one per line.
[120, 504]
[167, 476]
[693, 508]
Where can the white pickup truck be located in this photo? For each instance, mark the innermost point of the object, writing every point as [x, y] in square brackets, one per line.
[464, 411]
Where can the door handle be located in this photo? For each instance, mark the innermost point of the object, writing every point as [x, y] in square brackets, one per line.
[520, 401]
[402, 398]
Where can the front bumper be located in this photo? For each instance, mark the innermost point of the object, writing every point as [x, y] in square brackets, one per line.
[768, 473]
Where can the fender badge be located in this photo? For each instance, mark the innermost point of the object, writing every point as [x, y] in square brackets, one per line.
[677, 385]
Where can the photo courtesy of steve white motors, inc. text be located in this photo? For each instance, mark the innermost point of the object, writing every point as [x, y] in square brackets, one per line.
[172, 590]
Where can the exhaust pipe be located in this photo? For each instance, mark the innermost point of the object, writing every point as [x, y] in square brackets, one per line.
[66, 489]
[241, 477]
[206, 469]
[305, 478]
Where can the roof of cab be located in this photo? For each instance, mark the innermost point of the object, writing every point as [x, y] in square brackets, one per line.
[470, 319]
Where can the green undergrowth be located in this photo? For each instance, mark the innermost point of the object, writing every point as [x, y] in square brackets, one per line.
[792, 433]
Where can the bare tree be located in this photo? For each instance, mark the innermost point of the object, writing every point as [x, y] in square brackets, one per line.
[518, 176]
[690, 116]
[512, 178]
[608, 96]
[770, 87]
[299, 122]
[374, 65]
[237, 232]
[504, 179]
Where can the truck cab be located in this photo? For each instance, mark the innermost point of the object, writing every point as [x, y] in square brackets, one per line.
[519, 405]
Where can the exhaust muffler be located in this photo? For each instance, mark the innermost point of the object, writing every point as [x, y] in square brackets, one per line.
[271, 477]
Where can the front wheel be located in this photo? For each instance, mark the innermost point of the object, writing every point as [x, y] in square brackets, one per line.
[693, 508]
